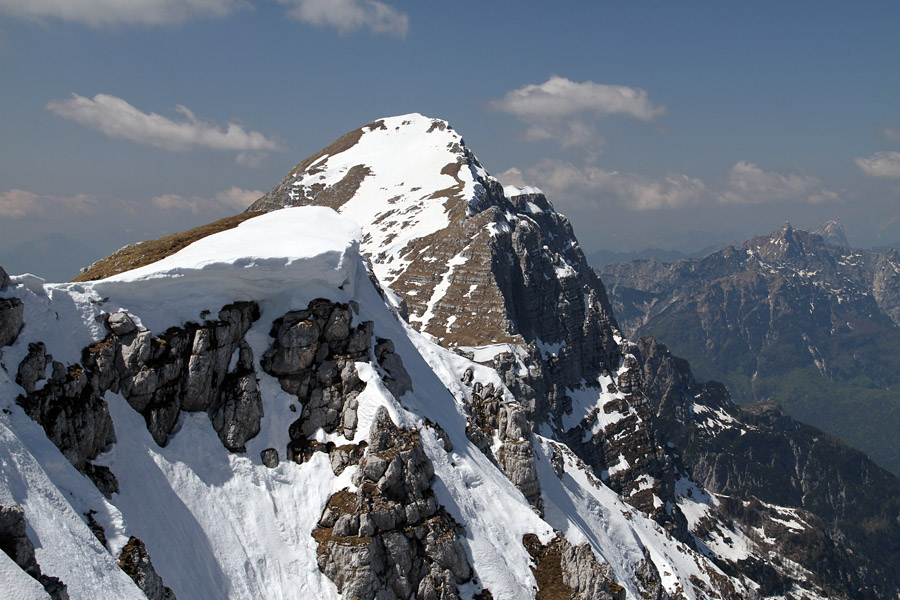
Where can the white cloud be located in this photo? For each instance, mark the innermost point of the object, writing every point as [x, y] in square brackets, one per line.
[17, 204]
[234, 199]
[593, 184]
[561, 97]
[118, 119]
[567, 111]
[748, 184]
[881, 164]
[745, 183]
[100, 13]
[348, 16]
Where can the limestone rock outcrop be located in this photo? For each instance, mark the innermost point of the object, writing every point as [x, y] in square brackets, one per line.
[68, 403]
[570, 572]
[390, 538]
[196, 367]
[12, 318]
[313, 355]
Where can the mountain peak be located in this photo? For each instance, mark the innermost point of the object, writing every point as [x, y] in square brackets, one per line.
[833, 233]
[441, 231]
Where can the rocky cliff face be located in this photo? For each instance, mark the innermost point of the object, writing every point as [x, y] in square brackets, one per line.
[497, 275]
[787, 318]
[799, 493]
[254, 426]
[307, 440]
[481, 265]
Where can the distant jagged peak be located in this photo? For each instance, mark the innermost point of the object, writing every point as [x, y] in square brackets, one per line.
[783, 243]
[833, 233]
[789, 243]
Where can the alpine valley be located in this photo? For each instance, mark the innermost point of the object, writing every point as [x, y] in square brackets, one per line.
[392, 377]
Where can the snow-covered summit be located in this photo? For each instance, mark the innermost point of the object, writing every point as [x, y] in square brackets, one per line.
[435, 224]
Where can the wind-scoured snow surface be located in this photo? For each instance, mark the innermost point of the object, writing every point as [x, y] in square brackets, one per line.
[219, 524]
[409, 160]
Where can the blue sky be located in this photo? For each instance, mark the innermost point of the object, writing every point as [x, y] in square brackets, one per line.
[676, 125]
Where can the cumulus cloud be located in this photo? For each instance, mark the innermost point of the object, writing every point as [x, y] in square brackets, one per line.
[567, 111]
[100, 13]
[745, 183]
[233, 199]
[748, 184]
[561, 97]
[881, 164]
[17, 204]
[348, 16]
[630, 190]
[118, 119]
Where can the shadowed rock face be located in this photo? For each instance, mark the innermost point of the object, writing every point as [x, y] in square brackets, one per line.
[12, 315]
[190, 368]
[757, 456]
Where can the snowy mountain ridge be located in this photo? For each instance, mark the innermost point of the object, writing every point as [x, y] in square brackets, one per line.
[240, 528]
[268, 412]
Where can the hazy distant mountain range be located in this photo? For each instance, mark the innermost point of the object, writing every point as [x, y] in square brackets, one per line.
[793, 317]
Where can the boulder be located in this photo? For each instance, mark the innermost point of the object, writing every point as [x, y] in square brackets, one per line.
[120, 323]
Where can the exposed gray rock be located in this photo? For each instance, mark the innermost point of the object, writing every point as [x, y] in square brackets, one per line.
[588, 578]
[12, 319]
[390, 538]
[68, 405]
[237, 411]
[15, 543]
[399, 381]
[518, 462]
[185, 368]
[572, 572]
[269, 457]
[489, 415]
[648, 575]
[121, 324]
[135, 561]
[313, 355]
[4, 279]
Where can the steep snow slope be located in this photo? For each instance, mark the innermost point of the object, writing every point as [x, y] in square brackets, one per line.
[219, 523]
